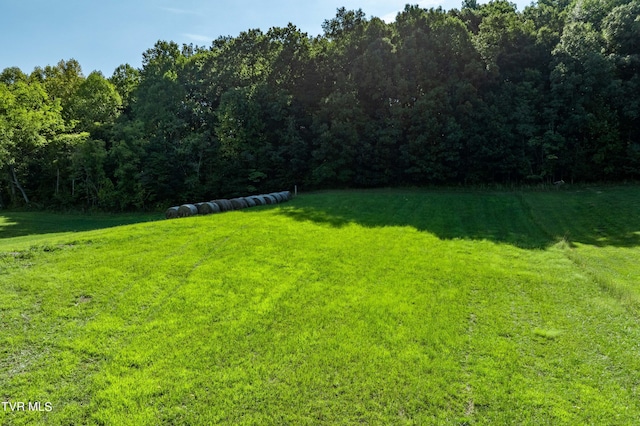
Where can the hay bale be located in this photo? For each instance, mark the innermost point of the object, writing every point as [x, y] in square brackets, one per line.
[277, 196]
[202, 208]
[270, 199]
[224, 204]
[172, 212]
[219, 204]
[286, 195]
[239, 203]
[214, 207]
[207, 208]
[250, 201]
[259, 199]
[187, 210]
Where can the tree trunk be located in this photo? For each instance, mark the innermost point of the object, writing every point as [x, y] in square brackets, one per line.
[17, 184]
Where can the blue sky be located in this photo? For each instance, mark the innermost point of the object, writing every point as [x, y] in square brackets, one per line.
[102, 34]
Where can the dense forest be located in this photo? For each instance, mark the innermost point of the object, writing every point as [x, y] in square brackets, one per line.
[484, 94]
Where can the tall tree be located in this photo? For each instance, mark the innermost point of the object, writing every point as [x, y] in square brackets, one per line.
[621, 33]
[582, 80]
[28, 121]
[61, 82]
[95, 103]
[126, 79]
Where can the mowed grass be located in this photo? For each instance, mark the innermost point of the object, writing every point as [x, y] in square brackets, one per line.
[25, 229]
[341, 307]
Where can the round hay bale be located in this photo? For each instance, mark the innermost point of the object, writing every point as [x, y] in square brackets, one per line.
[250, 201]
[270, 199]
[207, 208]
[187, 210]
[219, 204]
[277, 196]
[202, 208]
[259, 199]
[214, 207]
[286, 195]
[172, 212]
[224, 205]
[239, 203]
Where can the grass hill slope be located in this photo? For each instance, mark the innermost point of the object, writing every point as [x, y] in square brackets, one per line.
[342, 307]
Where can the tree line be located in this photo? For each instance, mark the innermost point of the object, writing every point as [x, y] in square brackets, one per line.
[482, 94]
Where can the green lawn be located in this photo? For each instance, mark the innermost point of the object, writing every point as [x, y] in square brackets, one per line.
[340, 307]
[24, 229]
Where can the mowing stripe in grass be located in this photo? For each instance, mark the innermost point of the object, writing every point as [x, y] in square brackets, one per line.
[407, 307]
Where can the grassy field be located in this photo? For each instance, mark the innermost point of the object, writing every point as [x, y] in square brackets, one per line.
[341, 307]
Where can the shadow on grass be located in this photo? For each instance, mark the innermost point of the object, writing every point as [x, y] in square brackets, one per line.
[530, 220]
[18, 224]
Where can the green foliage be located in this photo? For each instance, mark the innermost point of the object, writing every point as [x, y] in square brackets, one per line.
[126, 79]
[95, 103]
[61, 82]
[87, 162]
[591, 11]
[337, 126]
[28, 122]
[485, 94]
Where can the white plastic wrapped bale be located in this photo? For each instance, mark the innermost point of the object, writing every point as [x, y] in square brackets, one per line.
[250, 201]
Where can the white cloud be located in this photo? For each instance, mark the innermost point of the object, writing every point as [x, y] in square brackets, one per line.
[391, 16]
[179, 11]
[199, 37]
